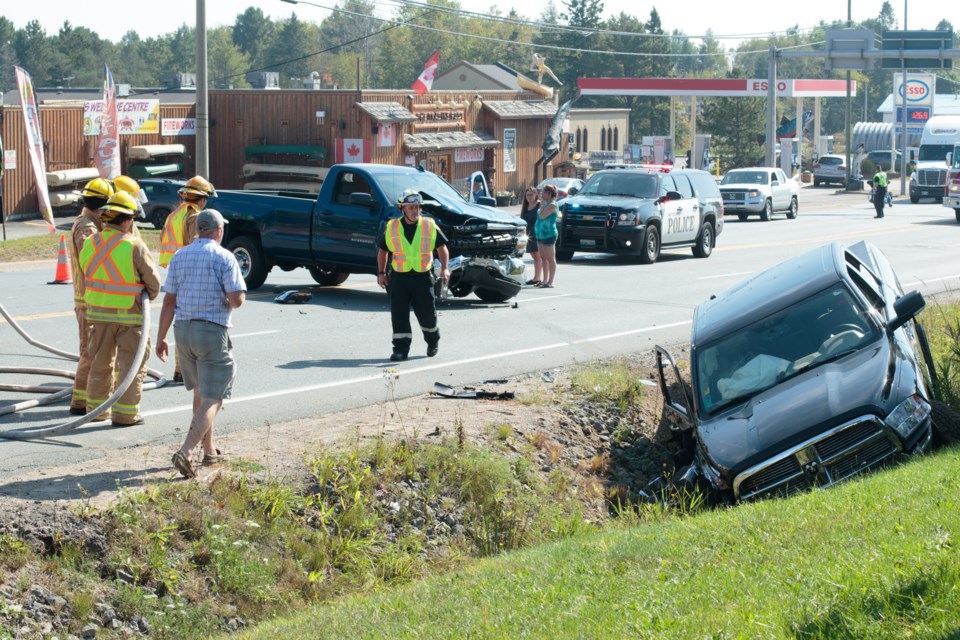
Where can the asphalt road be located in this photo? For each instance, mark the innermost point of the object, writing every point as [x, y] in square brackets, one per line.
[297, 361]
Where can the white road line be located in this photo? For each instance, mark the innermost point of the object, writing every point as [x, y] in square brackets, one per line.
[245, 335]
[726, 275]
[402, 372]
[912, 284]
[529, 300]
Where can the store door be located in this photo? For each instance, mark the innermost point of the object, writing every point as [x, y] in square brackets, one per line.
[441, 165]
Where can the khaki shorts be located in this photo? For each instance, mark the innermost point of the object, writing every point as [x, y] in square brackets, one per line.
[206, 358]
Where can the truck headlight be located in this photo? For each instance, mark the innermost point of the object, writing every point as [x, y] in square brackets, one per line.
[628, 219]
[753, 193]
[908, 415]
[521, 241]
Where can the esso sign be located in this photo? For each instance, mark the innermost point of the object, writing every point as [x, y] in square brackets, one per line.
[761, 85]
[917, 90]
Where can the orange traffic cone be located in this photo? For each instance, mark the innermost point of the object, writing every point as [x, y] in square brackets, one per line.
[63, 264]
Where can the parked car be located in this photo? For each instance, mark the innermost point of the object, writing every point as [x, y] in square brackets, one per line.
[759, 191]
[638, 212]
[565, 186]
[804, 375]
[882, 159]
[162, 198]
[830, 168]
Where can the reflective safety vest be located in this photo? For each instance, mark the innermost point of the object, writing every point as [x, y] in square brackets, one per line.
[416, 255]
[174, 229]
[110, 278]
[880, 179]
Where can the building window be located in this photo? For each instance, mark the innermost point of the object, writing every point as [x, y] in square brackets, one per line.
[603, 139]
[616, 139]
[610, 138]
[579, 146]
[586, 142]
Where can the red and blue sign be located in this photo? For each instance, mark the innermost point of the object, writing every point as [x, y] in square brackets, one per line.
[917, 91]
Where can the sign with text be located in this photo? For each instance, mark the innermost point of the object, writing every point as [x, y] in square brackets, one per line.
[9, 159]
[431, 116]
[468, 155]
[178, 127]
[509, 150]
[135, 116]
[919, 89]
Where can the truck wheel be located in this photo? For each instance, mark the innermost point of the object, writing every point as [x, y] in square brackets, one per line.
[767, 211]
[743, 217]
[253, 266]
[328, 277]
[704, 246]
[651, 246]
[564, 254]
[489, 295]
[159, 217]
[956, 212]
[460, 290]
[946, 424]
[914, 199]
[816, 182]
[792, 211]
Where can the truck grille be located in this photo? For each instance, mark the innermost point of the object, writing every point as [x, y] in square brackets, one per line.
[829, 458]
[596, 217]
[485, 245]
[932, 177]
[734, 195]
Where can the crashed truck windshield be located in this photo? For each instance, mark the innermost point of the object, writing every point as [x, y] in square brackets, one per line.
[750, 360]
[394, 183]
[621, 183]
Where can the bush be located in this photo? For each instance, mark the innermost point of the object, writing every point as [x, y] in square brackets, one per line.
[867, 168]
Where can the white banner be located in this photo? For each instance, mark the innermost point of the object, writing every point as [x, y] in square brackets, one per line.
[509, 150]
[178, 126]
[468, 155]
[107, 155]
[386, 135]
[31, 121]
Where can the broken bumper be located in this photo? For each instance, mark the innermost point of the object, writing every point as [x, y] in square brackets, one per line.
[504, 276]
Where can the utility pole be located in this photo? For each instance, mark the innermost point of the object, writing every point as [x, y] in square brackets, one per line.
[203, 110]
[849, 135]
[771, 156]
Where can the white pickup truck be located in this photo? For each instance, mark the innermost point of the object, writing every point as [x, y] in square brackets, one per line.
[759, 191]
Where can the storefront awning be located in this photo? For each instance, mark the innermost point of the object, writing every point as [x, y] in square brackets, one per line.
[449, 140]
[387, 111]
[518, 109]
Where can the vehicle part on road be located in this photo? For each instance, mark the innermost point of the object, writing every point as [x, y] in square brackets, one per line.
[470, 393]
[48, 432]
[293, 297]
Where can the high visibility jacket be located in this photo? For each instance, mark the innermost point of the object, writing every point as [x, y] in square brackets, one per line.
[880, 179]
[416, 255]
[174, 233]
[86, 224]
[110, 277]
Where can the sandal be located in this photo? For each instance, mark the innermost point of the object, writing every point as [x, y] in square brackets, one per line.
[182, 463]
[209, 460]
[533, 282]
[546, 286]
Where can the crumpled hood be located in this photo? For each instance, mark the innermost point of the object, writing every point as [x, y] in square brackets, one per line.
[800, 408]
[472, 210]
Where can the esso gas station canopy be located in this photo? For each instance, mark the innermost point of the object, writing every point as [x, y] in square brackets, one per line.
[729, 87]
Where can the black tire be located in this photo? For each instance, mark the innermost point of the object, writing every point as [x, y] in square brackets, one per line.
[159, 217]
[816, 182]
[489, 295]
[914, 199]
[253, 266]
[946, 424]
[794, 208]
[460, 291]
[767, 211]
[651, 245]
[956, 212]
[564, 254]
[743, 217]
[328, 277]
[704, 246]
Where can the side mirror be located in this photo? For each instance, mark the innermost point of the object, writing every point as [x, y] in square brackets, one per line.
[906, 307]
[949, 157]
[361, 199]
[670, 195]
[487, 201]
[573, 191]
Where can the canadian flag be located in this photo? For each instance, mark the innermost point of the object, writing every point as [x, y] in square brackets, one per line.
[422, 84]
[385, 135]
[352, 150]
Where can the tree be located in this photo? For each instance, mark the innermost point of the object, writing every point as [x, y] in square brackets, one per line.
[31, 47]
[78, 57]
[226, 66]
[350, 29]
[734, 124]
[292, 50]
[8, 54]
[252, 34]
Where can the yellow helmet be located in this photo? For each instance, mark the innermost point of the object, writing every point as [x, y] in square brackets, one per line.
[198, 186]
[97, 188]
[131, 186]
[120, 205]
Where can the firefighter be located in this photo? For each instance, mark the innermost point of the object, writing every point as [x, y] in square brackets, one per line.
[408, 243]
[180, 229]
[93, 195]
[117, 268]
[131, 186]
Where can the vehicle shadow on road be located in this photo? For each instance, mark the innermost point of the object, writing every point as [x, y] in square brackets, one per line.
[80, 487]
[338, 363]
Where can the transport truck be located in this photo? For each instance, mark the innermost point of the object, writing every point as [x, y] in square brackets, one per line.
[951, 193]
[929, 178]
[334, 234]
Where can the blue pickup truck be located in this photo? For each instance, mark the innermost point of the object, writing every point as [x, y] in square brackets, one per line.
[334, 234]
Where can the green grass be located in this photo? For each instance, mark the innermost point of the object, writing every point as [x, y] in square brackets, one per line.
[47, 246]
[875, 558]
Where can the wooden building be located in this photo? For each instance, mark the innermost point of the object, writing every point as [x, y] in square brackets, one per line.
[452, 133]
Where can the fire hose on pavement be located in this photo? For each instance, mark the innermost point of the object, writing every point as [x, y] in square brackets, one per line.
[50, 398]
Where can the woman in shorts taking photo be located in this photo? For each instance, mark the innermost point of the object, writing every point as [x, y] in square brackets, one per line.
[528, 212]
[546, 231]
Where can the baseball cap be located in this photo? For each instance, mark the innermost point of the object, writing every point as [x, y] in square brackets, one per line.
[209, 219]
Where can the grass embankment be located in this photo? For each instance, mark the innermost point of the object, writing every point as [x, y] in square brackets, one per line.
[875, 558]
[47, 246]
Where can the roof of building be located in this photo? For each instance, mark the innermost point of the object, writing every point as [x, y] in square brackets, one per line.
[67, 95]
[448, 140]
[514, 109]
[944, 104]
[499, 76]
[387, 111]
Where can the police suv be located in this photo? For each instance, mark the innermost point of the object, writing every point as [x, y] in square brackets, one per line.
[639, 211]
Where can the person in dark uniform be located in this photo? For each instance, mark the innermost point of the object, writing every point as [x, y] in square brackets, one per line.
[407, 247]
[879, 191]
